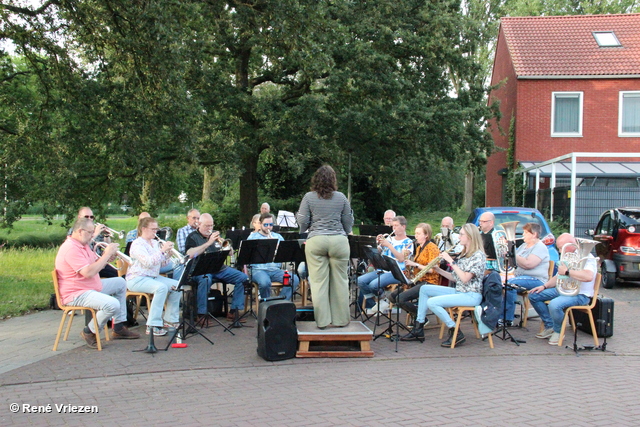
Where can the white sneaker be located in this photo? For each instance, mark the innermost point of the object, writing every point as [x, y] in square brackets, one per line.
[157, 332]
[555, 337]
[545, 333]
[384, 306]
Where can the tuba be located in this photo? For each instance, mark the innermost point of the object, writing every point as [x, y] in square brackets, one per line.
[501, 240]
[576, 260]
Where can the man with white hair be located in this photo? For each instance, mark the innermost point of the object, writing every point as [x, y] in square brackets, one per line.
[447, 239]
[388, 217]
[193, 216]
[265, 208]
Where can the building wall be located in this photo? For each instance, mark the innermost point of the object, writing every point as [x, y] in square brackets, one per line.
[531, 100]
[504, 73]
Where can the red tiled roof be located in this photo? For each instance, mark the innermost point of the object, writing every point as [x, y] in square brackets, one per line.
[565, 46]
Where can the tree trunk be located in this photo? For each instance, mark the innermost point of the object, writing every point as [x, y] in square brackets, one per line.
[206, 185]
[249, 189]
[467, 204]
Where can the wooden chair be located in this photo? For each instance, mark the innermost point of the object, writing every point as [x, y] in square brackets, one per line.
[122, 271]
[68, 311]
[525, 299]
[457, 313]
[568, 314]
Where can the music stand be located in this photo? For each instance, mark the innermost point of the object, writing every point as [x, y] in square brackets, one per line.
[236, 236]
[290, 252]
[209, 264]
[188, 325]
[507, 260]
[357, 246]
[286, 219]
[374, 230]
[394, 268]
[380, 264]
[257, 251]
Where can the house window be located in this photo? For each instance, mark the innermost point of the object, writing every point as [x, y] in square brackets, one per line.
[606, 39]
[629, 115]
[566, 114]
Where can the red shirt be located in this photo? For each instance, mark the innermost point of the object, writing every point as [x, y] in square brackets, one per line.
[72, 257]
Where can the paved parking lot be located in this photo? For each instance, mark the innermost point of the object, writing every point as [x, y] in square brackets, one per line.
[228, 384]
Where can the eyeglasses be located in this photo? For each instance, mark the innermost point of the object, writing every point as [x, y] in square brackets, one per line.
[153, 229]
[89, 217]
[268, 224]
[88, 231]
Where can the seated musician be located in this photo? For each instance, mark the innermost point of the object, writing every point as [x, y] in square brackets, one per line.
[133, 234]
[532, 261]
[144, 276]
[264, 274]
[203, 241]
[447, 239]
[393, 246]
[77, 267]
[426, 251]
[486, 222]
[193, 217]
[467, 273]
[552, 314]
[255, 222]
[101, 234]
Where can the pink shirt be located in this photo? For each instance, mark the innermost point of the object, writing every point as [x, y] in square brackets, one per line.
[72, 257]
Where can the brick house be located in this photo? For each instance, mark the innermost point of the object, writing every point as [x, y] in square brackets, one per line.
[572, 83]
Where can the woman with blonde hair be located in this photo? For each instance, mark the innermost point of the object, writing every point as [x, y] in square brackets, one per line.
[467, 273]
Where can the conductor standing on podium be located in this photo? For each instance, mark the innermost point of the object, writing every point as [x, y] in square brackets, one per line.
[327, 216]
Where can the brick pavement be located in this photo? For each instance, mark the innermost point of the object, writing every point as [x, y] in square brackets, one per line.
[228, 384]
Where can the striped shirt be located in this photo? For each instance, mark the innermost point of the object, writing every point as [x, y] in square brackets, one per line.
[325, 216]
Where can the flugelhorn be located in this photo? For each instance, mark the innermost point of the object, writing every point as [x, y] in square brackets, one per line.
[224, 244]
[175, 254]
[121, 255]
[576, 260]
[382, 237]
[111, 232]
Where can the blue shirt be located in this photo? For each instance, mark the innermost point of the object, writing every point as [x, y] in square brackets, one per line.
[399, 245]
[269, 265]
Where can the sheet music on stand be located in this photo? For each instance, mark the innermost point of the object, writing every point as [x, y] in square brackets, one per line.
[286, 219]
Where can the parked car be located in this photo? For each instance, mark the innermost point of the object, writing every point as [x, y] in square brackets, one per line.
[618, 231]
[524, 215]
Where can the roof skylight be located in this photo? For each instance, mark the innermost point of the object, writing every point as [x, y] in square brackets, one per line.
[606, 39]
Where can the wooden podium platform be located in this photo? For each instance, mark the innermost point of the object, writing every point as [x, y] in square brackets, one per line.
[351, 341]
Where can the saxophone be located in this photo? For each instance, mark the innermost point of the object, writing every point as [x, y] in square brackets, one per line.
[429, 266]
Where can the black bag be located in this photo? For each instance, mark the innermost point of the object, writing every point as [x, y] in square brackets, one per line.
[53, 302]
[215, 303]
[602, 317]
[131, 307]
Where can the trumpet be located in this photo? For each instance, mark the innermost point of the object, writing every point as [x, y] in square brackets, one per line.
[175, 254]
[121, 255]
[382, 237]
[110, 232]
[224, 244]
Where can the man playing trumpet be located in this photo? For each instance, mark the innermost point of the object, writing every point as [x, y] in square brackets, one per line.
[77, 267]
[264, 274]
[203, 241]
[394, 247]
[552, 315]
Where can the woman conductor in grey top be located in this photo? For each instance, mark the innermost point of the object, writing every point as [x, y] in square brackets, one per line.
[326, 214]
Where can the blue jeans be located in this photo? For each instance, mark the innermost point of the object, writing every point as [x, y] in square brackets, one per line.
[264, 278]
[227, 275]
[524, 281]
[109, 302]
[436, 298]
[160, 287]
[552, 315]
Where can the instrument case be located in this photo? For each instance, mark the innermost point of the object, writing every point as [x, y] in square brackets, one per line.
[602, 316]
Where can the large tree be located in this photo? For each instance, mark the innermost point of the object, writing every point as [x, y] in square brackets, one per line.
[134, 92]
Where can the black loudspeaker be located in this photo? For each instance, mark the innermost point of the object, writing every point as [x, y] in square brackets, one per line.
[277, 332]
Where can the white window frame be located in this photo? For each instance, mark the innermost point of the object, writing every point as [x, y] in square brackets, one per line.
[620, 111]
[580, 96]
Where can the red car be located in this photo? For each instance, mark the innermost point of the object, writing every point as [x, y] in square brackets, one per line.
[618, 231]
